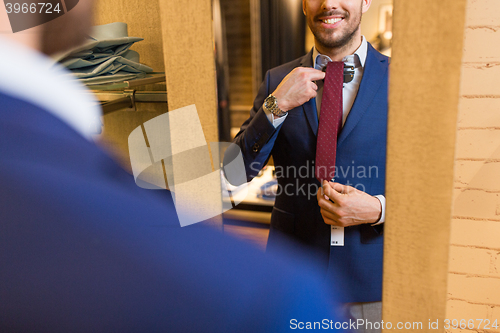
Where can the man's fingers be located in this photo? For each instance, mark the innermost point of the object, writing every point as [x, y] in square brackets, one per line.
[321, 195]
[308, 73]
[297, 87]
[329, 221]
[316, 74]
[325, 190]
[329, 210]
[329, 215]
[333, 191]
[326, 205]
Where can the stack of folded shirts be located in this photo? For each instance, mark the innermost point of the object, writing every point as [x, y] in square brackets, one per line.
[106, 57]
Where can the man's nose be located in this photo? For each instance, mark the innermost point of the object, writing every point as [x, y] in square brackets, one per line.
[330, 4]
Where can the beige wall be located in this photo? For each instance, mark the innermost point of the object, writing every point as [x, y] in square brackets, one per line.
[474, 268]
[424, 89]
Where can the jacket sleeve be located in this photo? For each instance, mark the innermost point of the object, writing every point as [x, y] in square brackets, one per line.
[256, 137]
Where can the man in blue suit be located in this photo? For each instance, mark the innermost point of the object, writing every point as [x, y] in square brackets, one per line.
[83, 249]
[340, 226]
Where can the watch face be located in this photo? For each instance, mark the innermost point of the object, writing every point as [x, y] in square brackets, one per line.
[270, 102]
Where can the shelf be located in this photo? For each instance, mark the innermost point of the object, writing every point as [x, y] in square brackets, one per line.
[122, 96]
[148, 79]
[126, 100]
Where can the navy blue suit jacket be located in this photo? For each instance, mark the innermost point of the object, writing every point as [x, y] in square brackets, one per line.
[83, 249]
[361, 155]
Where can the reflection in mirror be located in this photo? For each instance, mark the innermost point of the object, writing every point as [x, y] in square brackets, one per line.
[317, 127]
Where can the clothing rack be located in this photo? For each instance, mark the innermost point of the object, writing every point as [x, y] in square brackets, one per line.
[123, 95]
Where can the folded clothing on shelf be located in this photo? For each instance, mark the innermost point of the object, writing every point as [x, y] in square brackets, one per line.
[106, 57]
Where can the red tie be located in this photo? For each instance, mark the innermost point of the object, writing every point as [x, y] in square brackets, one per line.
[330, 121]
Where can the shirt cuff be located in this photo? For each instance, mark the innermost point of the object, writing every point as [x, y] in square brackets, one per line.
[381, 198]
[276, 122]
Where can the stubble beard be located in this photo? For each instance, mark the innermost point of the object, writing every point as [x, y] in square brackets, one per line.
[328, 41]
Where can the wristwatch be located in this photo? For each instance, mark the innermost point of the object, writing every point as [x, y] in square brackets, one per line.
[271, 105]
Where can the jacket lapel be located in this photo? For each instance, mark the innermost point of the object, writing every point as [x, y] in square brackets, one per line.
[373, 76]
[310, 106]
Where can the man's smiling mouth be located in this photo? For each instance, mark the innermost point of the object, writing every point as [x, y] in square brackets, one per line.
[332, 20]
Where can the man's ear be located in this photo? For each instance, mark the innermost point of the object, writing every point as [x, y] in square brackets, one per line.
[304, 6]
[366, 5]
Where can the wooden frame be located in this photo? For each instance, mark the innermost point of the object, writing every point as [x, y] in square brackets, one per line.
[423, 107]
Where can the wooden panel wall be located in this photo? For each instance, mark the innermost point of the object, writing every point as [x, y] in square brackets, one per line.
[143, 20]
[189, 59]
[188, 45]
[423, 103]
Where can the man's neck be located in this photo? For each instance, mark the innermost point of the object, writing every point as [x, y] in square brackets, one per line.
[337, 54]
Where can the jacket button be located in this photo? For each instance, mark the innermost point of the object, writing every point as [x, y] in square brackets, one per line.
[255, 148]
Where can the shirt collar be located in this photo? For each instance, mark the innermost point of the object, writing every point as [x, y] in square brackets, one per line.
[33, 77]
[359, 54]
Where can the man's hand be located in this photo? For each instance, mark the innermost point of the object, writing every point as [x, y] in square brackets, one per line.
[350, 206]
[297, 87]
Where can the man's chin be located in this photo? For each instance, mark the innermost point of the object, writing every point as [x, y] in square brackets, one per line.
[333, 43]
[334, 39]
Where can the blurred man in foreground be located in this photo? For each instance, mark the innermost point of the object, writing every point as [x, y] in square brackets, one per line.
[83, 249]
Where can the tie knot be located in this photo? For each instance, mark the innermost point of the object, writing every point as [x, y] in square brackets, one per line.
[334, 72]
[350, 62]
[347, 65]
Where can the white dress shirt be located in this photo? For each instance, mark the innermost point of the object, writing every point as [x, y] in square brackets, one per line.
[349, 92]
[33, 77]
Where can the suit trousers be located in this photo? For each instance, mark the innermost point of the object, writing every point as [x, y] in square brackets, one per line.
[369, 312]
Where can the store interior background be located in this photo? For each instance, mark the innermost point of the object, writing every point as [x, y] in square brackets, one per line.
[473, 281]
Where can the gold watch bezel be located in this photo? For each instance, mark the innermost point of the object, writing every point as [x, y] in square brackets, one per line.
[271, 105]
